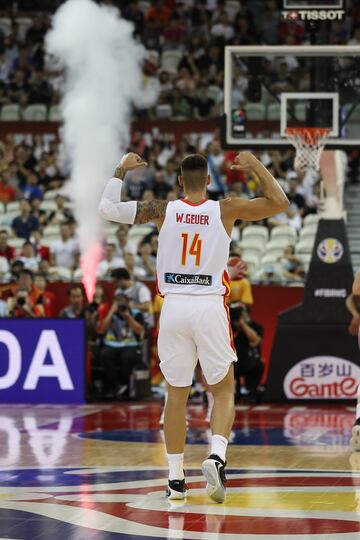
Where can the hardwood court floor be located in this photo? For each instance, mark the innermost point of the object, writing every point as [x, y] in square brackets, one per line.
[99, 473]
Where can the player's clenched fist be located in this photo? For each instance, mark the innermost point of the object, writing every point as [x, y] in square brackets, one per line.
[129, 162]
[244, 161]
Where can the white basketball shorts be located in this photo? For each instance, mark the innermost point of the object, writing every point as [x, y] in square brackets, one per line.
[192, 328]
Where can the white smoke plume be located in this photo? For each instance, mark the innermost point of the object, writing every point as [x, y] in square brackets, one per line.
[102, 64]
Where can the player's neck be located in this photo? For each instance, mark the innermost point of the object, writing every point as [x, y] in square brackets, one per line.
[195, 197]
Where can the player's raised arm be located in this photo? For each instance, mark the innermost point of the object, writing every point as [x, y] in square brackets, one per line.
[273, 201]
[113, 209]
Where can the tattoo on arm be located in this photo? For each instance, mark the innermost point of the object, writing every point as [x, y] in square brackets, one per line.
[148, 211]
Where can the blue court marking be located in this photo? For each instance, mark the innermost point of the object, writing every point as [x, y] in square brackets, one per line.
[250, 437]
[30, 526]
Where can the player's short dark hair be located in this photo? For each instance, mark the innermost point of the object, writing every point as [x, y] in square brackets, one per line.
[194, 170]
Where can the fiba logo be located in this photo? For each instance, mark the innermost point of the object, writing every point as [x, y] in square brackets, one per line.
[330, 250]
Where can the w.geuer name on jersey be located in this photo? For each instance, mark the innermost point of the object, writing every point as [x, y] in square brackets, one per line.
[192, 219]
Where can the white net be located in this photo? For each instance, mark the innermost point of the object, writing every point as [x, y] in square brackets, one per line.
[309, 144]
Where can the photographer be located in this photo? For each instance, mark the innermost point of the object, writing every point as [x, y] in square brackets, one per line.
[75, 309]
[123, 329]
[21, 307]
[247, 339]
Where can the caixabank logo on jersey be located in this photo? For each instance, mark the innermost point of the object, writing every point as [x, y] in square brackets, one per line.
[188, 279]
[322, 377]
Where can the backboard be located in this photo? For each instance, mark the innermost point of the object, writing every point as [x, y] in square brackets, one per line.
[271, 88]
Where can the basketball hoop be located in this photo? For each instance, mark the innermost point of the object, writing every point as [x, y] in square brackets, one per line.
[309, 143]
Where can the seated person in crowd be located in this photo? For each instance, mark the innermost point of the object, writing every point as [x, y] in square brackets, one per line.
[26, 223]
[7, 192]
[130, 263]
[5, 250]
[247, 339]
[61, 214]
[269, 274]
[47, 298]
[4, 310]
[31, 190]
[122, 240]
[42, 251]
[75, 309]
[4, 269]
[29, 257]
[26, 281]
[240, 287]
[65, 251]
[20, 306]
[291, 217]
[138, 293]
[123, 329]
[148, 261]
[109, 262]
[293, 267]
[37, 211]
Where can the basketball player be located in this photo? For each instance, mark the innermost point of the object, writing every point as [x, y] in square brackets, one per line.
[194, 240]
[352, 304]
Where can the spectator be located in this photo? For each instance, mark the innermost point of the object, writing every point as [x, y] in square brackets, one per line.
[31, 189]
[293, 267]
[290, 217]
[37, 211]
[20, 306]
[148, 262]
[247, 339]
[223, 28]
[269, 274]
[109, 262]
[28, 257]
[135, 271]
[216, 161]
[25, 224]
[294, 196]
[7, 192]
[240, 289]
[123, 329]
[5, 250]
[26, 281]
[65, 251]
[47, 298]
[4, 269]
[61, 213]
[122, 240]
[42, 251]
[160, 187]
[138, 293]
[75, 309]
[4, 309]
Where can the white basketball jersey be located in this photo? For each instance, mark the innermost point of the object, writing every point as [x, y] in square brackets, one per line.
[193, 250]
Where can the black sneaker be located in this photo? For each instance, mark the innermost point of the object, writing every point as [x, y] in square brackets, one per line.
[355, 436]
[213, 469]
[176, 490]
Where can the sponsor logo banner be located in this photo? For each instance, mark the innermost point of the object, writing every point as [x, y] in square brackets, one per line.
[322, 377]
[313, 15]
[188, 279]
[42, 361]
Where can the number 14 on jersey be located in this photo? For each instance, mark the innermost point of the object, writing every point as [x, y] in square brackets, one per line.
[191, 247]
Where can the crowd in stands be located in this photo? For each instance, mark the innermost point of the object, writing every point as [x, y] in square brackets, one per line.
[185, 42]
[38, 229]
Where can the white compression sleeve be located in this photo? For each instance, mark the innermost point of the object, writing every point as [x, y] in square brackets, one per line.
[111, 207]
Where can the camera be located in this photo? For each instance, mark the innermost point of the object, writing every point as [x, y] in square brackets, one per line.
[20, 302]
[122, 308]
